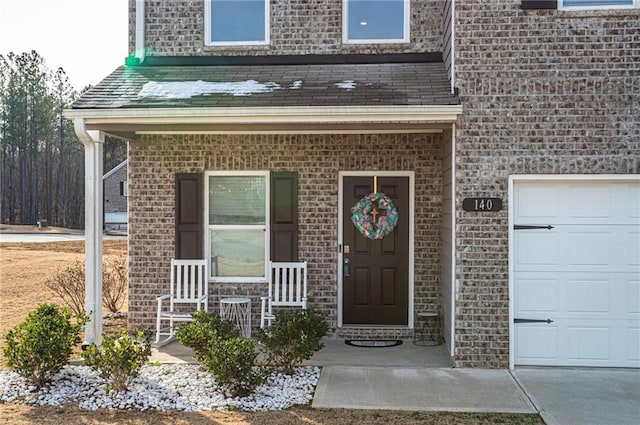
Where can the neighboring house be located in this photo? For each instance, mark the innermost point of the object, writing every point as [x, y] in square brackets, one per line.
[506, 133]
[115, 198]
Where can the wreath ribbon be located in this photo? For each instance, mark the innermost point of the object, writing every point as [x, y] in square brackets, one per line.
[374, 215]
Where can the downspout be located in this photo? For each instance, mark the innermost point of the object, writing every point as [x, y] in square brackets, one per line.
[93, 156]
[140, 31]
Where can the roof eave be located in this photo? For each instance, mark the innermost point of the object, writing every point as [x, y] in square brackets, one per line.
[269, 120]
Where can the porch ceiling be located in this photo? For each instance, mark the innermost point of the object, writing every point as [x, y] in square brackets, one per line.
[271, 98]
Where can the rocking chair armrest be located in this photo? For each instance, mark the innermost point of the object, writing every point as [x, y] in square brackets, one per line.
[264, 298]
[203, 298]
[163, 297]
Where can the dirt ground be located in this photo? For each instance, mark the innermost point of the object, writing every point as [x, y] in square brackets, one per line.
[25, 267]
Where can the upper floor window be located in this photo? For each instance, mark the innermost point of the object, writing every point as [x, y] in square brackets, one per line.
[597, 4]
[236, 22]
[375, 21]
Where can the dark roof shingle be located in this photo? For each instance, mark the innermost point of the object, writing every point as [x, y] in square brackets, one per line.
[271, 85]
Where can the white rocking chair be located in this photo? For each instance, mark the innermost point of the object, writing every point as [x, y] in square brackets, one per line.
[189, 293]
[287, 288]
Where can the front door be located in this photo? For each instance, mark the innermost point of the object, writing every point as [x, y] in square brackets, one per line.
[376, 271]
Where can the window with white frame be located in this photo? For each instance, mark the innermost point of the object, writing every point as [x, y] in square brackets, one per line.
[236, 22]
[597, 4]
[237, 207]
[375, 21]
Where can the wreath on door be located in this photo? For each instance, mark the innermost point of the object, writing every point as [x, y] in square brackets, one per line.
[374, 215]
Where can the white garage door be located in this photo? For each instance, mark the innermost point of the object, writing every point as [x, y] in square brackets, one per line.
[577, 282]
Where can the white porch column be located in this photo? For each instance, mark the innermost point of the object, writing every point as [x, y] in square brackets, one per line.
[93, 157]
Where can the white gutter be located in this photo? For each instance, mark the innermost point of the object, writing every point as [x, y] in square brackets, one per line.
[254, 115]
[93, 148]
[140, 31]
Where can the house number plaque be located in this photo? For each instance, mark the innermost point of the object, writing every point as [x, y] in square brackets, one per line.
[482, 204]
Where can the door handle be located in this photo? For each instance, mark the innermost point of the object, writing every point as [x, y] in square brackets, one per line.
[346, 272]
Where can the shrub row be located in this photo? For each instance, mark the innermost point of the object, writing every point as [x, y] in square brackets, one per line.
[41, 345]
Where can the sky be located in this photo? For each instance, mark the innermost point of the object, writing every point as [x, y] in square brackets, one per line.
[88, 38]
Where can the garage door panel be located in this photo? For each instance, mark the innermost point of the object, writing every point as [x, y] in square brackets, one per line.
[632, 253]
[588, 342]
[537, 296]
[589, 296]
[589, 248]
[536, 201]
[572, 295]
[583, 275]
[537, 249]
[589, 201]
[536, 344]
[633, 347]
[632, 298]
[577, 203]
[578, 248]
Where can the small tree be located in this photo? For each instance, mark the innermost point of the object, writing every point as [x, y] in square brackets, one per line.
[41, 345]
[69, 284]
[120, 359]
[114, 282]
[293, 337]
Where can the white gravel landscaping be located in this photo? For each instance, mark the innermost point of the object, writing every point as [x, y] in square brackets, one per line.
[168, 386]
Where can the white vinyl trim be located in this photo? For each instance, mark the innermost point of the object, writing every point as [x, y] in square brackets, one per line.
[277, 114]
[515, 179]
[452, 334]
[411, 176]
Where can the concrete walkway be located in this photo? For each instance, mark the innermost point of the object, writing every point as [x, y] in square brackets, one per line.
[583, 396]
[414, 378]
[420, 389]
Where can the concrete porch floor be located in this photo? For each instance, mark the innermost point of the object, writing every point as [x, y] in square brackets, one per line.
[337, 353]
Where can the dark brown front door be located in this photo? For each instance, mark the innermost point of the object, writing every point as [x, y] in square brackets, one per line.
[376, 272]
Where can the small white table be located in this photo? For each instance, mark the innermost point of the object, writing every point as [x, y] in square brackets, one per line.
[237, 310]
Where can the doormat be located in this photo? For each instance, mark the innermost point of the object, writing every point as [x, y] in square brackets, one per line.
[373, 343]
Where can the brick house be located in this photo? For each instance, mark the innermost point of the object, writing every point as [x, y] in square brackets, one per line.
[115, 191]
[507, 136]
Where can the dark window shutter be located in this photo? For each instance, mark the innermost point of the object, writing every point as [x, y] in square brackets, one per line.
[284, 216]
[189, 216]
[539, 4]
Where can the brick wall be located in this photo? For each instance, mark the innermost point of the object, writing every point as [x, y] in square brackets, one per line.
[154, 160]
[543, 92]
[176, 28]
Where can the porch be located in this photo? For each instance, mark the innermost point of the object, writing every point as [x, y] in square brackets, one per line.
[337, 353]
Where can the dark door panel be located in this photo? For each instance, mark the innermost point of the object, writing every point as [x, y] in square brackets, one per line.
[376, 291]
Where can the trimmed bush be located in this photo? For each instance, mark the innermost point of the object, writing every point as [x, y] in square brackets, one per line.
[119, 359]
[218, 346]
[41, 345]
[204, 328]
[232, 363]
[293, 337]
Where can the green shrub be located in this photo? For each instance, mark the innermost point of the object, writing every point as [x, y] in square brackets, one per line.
[217, 344]
[119, 359]
[293, 337]
[41, 345]
[231, 361]
[204, 328]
